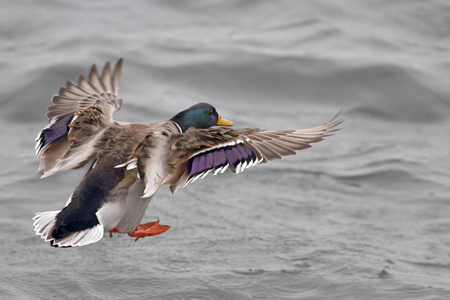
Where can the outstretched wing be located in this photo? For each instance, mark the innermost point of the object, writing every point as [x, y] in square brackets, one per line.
[77, 106]
[201, 151]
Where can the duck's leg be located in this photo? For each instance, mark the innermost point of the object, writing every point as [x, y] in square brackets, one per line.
[148, 229]
[116, 229]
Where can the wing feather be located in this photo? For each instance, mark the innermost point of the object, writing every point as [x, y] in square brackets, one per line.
[91, 101]
[106, 78]
[201, 151]
[95, 80]
[116, 77]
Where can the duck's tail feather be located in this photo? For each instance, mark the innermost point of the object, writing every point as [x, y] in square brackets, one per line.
[44, 224]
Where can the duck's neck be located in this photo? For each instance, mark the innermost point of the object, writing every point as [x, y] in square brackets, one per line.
[181, 122]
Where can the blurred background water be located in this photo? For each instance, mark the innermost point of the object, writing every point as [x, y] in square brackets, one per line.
[362, 215]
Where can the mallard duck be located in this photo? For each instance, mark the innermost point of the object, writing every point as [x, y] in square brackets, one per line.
[131, 161]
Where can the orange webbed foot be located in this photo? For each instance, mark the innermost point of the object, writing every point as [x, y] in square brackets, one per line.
[113, 230]
[148, 229]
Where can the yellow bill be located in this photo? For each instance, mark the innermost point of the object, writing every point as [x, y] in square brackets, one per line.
[223, 122]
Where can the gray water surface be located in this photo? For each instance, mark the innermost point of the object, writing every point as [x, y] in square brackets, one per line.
[362, 215]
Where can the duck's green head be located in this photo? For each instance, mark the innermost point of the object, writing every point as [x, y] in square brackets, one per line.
[201, 115]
